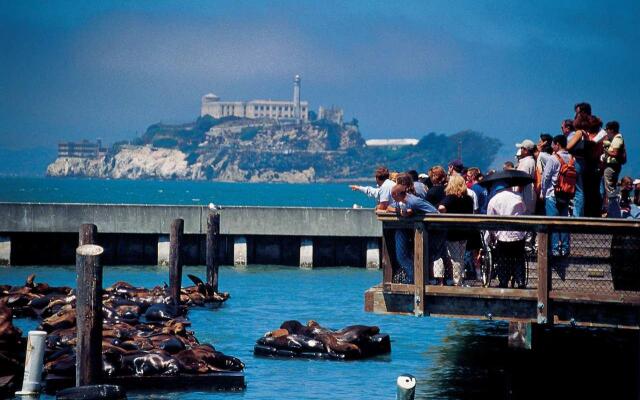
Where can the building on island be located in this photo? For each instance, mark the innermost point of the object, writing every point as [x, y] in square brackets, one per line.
[392, 142]
[333, 114]
[253, 109]
[84, 149]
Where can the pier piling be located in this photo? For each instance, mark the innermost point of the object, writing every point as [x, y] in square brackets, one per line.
[406, 387]
[175, 259]
[32, 381]
[89, 314]
[240, 251]
[306, 253]
[213, 235]
[88, 234]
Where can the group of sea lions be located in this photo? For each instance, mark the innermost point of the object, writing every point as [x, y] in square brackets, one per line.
[12, 349]
[293, 339]
[144, 333]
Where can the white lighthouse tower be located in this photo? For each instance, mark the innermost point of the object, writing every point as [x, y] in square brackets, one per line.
[296, 98]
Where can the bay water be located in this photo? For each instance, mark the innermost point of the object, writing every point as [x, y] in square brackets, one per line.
[450, 358]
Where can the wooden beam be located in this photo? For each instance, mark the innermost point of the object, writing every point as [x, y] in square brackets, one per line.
[481, 292]
[420, 258]
[594, 298]
[89, 315]
[544, 280]
[387, 265]
[88, 234]
[213, 236]
[529, 222]
[175, 260]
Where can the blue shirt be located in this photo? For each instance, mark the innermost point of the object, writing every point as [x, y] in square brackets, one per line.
[482, 194]
[418, 205]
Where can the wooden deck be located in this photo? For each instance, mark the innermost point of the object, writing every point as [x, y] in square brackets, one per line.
[579, 289]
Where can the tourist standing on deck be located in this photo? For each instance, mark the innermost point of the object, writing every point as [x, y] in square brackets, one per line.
[576, 147]
[438, 178]
[456, 168]
[509, 245]
[613, 158]
[626, 187]
[456, 201]
[474, 176]
[557, 201]
[418, 186]
[528, 164]
[543, 153]
[406, 204]
[382, 193]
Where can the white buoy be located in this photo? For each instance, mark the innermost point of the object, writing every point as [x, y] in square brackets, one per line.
[406, 387]
[33, 364]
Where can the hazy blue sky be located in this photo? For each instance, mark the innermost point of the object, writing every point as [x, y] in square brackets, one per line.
[511, 69]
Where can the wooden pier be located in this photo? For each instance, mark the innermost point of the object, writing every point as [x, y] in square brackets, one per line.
[597, 284]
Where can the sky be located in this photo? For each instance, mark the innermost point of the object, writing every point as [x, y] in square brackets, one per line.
[510, 69]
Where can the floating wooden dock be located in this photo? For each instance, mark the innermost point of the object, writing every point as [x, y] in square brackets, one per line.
[597, 284]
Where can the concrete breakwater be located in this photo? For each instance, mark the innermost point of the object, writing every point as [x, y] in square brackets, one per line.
[47, 233]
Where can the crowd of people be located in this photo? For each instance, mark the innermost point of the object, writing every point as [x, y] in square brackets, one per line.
[574, 173]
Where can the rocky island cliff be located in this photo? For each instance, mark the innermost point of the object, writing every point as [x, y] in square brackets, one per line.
[250, 150]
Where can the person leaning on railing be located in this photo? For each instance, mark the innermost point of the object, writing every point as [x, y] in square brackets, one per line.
[406, 204]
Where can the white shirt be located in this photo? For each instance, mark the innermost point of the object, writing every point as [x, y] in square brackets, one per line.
[380, 193]
[528, 165]
[474, 197]
[506, 202]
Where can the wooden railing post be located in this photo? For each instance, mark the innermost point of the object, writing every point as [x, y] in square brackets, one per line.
[420, 262]
[387, 265]
[88, 233]
[213, 233]
[88, 315]
[544, 279]
[175, 260]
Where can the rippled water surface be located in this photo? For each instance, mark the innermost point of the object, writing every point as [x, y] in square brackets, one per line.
[451, 359]
[83, 190]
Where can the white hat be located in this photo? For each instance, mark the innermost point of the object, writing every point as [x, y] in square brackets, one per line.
[636, 182]
[527, 144]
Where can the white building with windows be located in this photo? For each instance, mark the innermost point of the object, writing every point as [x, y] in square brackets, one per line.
[271, 109]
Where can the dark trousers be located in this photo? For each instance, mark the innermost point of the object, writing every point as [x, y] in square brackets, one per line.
[509, 262]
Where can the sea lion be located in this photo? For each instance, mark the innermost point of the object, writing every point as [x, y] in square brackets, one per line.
[65, 318]
[151, 363]
[162, 312]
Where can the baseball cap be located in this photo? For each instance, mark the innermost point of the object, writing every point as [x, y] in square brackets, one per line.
[527, 144]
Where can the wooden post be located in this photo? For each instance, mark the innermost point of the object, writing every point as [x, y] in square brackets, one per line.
[89, 315]
[544, 279]
[213, 232]
[387, 265]
[420, 261]
[175, 260]
[88, 234]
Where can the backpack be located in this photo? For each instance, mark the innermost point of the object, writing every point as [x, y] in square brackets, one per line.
[565, 187]
[622, 156]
